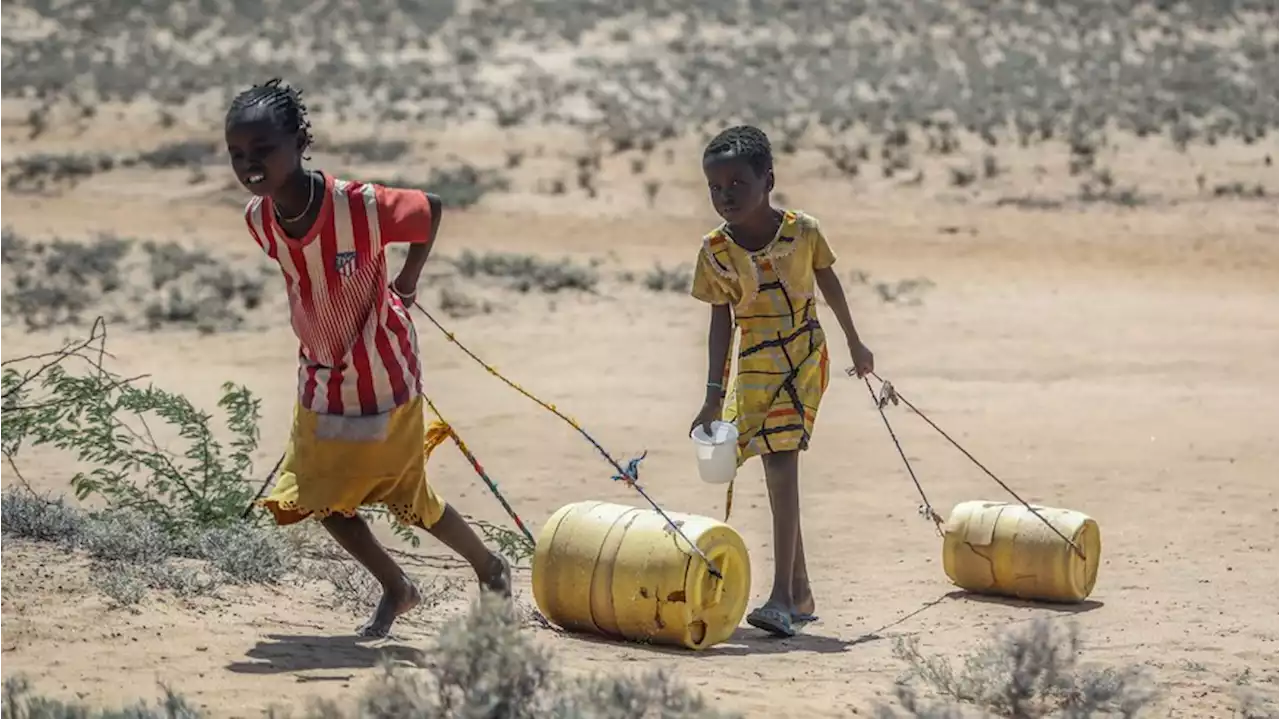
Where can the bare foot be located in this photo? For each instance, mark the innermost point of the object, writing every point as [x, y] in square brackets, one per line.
[394, 603]
[497, 577]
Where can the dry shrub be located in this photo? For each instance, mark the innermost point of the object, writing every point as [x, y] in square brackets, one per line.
[486, 666]
[1026, 673]
[483, 666]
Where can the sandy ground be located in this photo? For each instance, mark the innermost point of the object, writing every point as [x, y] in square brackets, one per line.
[1121, 362]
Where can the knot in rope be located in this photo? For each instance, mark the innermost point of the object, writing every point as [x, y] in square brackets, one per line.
[631, 475]
[926, 511]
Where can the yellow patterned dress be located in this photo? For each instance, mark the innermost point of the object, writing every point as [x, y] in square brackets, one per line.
[782, 361]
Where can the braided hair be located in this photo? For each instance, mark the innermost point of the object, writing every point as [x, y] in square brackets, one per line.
[281, 103]
[744, 142]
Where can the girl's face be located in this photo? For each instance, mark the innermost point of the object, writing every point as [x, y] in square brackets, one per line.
[737, 191]
[262, 155]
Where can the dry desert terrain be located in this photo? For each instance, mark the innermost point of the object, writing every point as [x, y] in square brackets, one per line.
[1090, 309]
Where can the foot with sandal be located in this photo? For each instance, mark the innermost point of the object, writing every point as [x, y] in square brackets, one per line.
[784, 616]
[759, 272]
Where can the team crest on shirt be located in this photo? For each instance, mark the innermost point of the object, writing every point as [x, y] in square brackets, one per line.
[344, 263]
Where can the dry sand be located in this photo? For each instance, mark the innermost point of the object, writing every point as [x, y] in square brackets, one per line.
[1121, 362]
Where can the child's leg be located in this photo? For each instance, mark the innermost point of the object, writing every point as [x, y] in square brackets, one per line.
[398, 593]
[782, 475]
[492, 570]
[801, 592]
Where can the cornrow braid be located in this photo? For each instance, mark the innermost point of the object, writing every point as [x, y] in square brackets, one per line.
[745, 142]
[282, 103]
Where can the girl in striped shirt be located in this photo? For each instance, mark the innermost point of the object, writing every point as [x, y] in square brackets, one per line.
[358, 433]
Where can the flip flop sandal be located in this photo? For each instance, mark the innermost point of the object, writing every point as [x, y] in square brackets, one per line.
[773, 621]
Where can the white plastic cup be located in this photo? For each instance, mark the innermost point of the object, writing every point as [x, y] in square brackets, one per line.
[717, 452]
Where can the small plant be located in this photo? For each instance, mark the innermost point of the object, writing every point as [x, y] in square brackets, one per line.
[990, 166]
[675, 279]
[511, 544]
[907, 291]
[458, 304]
[962, 176]
[651, 189]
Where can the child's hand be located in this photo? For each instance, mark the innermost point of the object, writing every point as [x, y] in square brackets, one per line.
[709, 413]
[409, 297]
[864, 362]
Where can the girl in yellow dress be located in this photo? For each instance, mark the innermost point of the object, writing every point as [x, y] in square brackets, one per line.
[758, 271]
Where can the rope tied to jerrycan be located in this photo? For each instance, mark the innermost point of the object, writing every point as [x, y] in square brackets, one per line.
[889, 394]
[628, 475]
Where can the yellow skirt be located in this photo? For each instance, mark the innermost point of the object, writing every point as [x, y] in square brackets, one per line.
[335, 464]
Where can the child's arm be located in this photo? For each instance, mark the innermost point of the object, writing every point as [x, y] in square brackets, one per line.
[719, 336]
[406, 282]
[833, 292]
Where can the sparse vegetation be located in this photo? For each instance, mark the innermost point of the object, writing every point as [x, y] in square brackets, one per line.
[132, 554]
[1078, 74]
[1028, 672]
[526, 273]
[106, 421]
[159, 507]
[483, 665]
[60, 282]
[935, 101]
[461, 186]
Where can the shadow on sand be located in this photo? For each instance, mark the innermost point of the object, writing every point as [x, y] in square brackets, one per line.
[1060, 608]
[280, 653]
[747, 641]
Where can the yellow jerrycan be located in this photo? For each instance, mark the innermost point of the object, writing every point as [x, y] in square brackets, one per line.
[1005, 549]
[620, 571]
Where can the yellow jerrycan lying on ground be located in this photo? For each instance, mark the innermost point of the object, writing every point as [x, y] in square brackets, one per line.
[1005, 549]
[620, 571]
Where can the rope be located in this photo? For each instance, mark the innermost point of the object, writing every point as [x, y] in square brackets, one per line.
[628, 475]
[441, 425]
[265, 483]
[926, 509]
[889, 394]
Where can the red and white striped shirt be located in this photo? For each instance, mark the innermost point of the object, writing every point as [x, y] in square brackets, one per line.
[358, 351]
